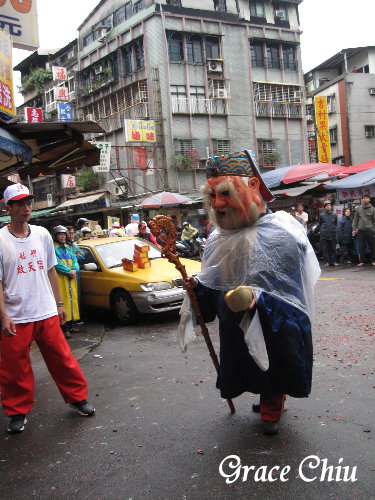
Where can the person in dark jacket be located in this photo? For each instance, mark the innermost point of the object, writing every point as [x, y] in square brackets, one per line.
[344, 236]
[328, 226]
[364, 226]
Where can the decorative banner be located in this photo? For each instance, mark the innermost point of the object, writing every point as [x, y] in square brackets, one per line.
[7, 105]
[111, 220]
[34, 115]
[19, 19]
[60, 93]
[140, 131]
[64, 112]
[68, 181]
[105, 156]
[59, 73]
[322, 127]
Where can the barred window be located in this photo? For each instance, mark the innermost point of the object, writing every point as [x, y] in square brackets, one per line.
[223, 147]
[273, 92]
[186, 146]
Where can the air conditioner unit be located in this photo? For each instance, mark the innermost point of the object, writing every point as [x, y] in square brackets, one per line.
[215, 66]
[220, 94]
[279, 14]
[369, 133]
[119, 181]
[98, 70]
[371, 91]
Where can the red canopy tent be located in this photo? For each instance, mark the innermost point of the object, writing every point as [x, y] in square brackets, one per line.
[355, 169]
[306, 170]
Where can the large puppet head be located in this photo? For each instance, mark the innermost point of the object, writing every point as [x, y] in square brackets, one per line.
[235, 192]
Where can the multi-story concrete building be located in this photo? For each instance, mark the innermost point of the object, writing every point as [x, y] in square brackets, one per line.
[215, 75]
[348, 81]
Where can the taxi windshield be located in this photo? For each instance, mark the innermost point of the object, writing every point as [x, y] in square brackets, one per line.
[112, 254]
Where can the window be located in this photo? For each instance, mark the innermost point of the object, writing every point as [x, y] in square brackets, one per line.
[175, 3]
[178, 90]
[333, 135]
[179, 99]
[257, 9]
[128, 10]
[127, 54]
[289, 58]
[268, 156]
[257, 59]
[194, 48]
[369, 131]
[43, 187]
[185, 146]
[175, 46]
[137, 7]
[139, 57]
[212, 44]
[273, 59]
[223, 147]
[119, 16]
[220, 5]
[331, 103]
[280, 11]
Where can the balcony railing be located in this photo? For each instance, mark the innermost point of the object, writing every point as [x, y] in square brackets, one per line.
[194, 106]
[278, 109]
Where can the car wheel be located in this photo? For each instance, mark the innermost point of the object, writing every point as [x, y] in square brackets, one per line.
[124, 308]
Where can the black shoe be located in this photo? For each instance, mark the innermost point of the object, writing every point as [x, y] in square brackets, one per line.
[256, 408]
[270, 428]
[84, 408]
[67, 334]
[17, 423]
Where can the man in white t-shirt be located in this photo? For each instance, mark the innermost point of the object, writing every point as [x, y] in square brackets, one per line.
[31, 309]
[116, 230]
[132, 228]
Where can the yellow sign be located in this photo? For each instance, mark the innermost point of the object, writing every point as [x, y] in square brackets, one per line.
[322, 127]
[140, 131]
[19, 19]
[7, 105]
[111, 220]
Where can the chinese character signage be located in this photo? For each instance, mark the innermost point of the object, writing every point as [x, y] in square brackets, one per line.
[7, 105]
[105, 156]
[140, 131]
[19, 19]
[60, 93]
[68, 181]
[322, 127]
[59, 73]
[64, 111]
[33, 115]
[355, 193]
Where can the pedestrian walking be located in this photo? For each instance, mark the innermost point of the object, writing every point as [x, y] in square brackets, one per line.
[132, 228]
[302, 215]
[257, 277]
[31, 309]
[344, 236]
[364, 227]
[328, 234]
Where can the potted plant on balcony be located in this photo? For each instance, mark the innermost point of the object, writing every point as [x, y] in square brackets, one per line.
[36, 80]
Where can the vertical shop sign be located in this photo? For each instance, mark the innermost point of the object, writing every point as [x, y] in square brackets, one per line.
[34, 115]
[19, 19]
[7, 105]
[105, 156]
[59, 73]
[322, 127]
[64, 112]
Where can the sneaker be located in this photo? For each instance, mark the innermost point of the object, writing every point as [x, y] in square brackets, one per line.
[17, 423]
[270, 428]
[336, 264]
[360, 264]
[84, 408]
[67, 334]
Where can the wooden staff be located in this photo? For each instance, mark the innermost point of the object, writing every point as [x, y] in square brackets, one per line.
[162, 227]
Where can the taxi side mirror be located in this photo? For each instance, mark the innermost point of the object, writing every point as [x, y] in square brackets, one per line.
[90, 267]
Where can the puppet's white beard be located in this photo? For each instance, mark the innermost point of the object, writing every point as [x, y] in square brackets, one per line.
[232, 220]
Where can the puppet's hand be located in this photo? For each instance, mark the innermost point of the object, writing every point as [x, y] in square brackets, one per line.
[240, 299]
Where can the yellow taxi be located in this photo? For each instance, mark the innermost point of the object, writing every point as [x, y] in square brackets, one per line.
[106, 285]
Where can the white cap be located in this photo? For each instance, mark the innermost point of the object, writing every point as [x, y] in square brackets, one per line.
[86, 230]
[16, 192]
[115, 224]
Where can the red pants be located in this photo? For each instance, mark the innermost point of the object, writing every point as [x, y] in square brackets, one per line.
[271, 408]
[16, 374]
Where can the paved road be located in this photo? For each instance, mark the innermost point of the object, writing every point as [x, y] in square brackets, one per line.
[161, 430]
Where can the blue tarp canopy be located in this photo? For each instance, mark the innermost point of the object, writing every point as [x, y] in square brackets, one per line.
[11, 146]
[274, 178]
[361, 179]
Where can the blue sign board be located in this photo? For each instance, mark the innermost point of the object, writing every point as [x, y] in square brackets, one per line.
[65, 111]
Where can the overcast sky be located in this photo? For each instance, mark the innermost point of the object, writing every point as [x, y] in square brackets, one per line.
[328, 26]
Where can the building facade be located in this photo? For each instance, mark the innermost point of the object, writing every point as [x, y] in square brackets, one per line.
[347, 80]
[221, 78]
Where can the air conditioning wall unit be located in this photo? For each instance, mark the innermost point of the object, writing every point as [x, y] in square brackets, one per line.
[98, 69]
[116, 189]
[215, 65]
[371, 91]
[279, 14]
[219, 94]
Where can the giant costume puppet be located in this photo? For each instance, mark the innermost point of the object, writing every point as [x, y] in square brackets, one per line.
[258, 274]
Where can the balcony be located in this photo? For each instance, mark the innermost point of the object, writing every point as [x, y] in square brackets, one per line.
[198, 106]
[278, 109]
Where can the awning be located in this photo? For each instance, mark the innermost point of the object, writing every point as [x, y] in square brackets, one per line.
[81, 200]
[365, 178]
[11, 146]
[295, 191]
